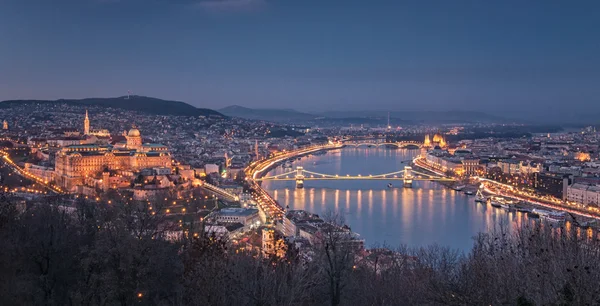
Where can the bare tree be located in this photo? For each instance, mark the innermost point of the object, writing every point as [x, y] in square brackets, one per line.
[335, 251]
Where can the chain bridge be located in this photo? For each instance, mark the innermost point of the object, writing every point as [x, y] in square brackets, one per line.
[406, 175]
[376, 142]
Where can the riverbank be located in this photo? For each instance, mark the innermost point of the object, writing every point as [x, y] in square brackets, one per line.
[257, 171]
[508, 191]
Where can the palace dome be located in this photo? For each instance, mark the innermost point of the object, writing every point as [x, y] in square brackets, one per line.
[438, 138]
[134, 133]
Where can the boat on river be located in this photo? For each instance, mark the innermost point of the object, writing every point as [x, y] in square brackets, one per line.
[508, 204]
[522, 207]
[550, 215]
[287, 165]
[479, 197]
[496, 202]
[459, 188]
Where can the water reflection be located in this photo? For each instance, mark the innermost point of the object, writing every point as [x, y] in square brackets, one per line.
[418, 216]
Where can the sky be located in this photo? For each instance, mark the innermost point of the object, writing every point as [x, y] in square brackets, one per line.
[532, 58]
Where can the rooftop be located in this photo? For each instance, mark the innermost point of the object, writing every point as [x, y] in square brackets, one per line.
[237, 212]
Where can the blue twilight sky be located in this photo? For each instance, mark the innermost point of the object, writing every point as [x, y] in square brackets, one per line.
[539, 57]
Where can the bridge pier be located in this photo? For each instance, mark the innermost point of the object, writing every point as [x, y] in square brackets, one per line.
[299, 177]
[408, 176]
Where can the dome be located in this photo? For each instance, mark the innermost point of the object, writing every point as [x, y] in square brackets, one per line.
[133, 133]
[437, 137]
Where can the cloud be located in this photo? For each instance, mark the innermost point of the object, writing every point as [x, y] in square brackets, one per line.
[231, 5]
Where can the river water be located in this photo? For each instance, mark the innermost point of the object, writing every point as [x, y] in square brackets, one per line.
[428, 213]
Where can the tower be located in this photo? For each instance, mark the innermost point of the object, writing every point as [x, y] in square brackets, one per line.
[389, 127]
[86, 124]
[256, 150]
[5, 125]
[299, 177]
[443, 143]
[134, 139]
[427, 142]
[408, 176]
[105, 180]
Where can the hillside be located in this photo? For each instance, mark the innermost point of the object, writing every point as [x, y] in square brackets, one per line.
[277, 115]
[148, 105]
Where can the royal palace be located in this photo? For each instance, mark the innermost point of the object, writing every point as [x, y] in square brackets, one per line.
[75, 163]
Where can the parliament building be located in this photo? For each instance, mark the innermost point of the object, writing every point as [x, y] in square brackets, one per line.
[74, 163]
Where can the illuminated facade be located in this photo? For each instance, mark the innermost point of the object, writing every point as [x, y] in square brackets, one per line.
[5, 125]
[438, 140]
[100, 133]
[74, 163]
[273, 244]
[427, 142]
[470, 166]
[86, 124]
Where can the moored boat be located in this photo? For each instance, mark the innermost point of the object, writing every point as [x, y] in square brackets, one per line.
[495, 202]
[479, 197]
[550, 215]
[522, 208]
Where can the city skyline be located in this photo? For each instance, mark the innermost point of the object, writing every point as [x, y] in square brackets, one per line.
[504, 57]
[285, 152]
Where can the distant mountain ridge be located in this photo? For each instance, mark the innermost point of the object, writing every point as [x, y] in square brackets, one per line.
[276, 115]
[367, 117]
[422, 116]
[147, 105]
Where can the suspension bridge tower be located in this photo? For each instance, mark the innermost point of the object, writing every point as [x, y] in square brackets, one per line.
[408, 176]
[299, 177]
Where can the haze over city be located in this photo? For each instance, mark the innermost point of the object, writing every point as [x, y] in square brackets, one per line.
[520, 59]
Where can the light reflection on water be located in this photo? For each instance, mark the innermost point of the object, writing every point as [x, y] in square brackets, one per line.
[425, 214]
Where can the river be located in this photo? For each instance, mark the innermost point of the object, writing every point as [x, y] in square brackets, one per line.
[428, 213]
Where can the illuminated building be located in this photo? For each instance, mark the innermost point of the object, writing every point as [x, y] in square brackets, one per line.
[470, 166]
[245, 216]
[438, 140]
[581, 156]
[76, 162]
[86, 124]
[444, 162]
[554, 184]
[584, 193]
[273, 243]
[5, 125]
[427, 142]
[100, 133]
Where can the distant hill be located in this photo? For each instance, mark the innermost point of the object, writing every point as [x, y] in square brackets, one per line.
[420, 116]
[275, 115]
[148, 105]
[362, 117]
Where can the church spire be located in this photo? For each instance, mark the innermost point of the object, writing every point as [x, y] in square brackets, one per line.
[86, 124]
